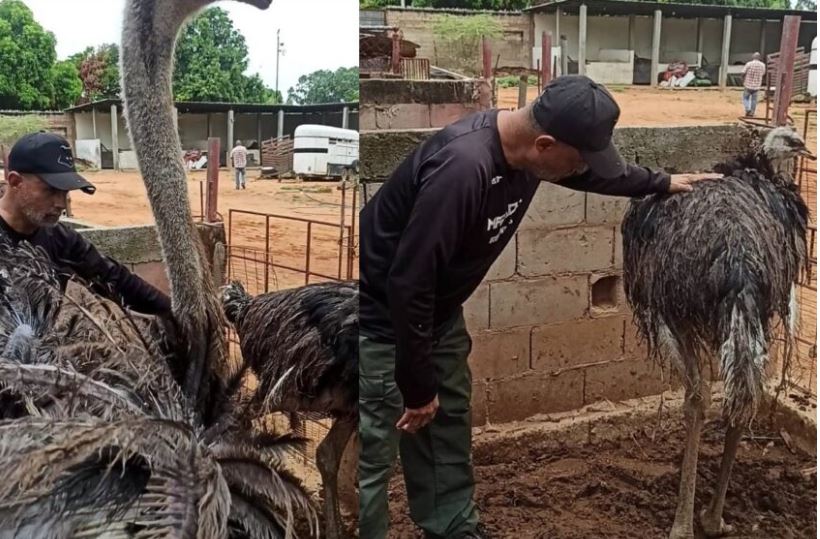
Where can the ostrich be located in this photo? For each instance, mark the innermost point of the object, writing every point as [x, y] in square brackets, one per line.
[302, 344]
[102, 438]
[706, 274]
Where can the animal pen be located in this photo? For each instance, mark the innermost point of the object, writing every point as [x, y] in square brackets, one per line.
[269, 252]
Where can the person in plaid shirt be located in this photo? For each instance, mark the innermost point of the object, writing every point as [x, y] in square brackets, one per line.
[752, 81]
[240, 160]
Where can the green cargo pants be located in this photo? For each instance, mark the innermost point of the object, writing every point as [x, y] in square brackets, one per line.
[436, 460]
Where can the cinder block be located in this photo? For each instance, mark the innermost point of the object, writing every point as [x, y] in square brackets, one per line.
[581, 249]
[477, 309]
[442, 114]
[618, 259]
[538, 301]
[504, 266]
[497, 354]
[624, 379]
[520, 397]
[403, 116]
[154, 273]
[554, 206]
[605, 210]
[633, 347]
[569, 344]
[478, 403]
[367, 117]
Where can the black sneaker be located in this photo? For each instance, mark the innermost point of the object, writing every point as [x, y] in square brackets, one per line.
[479, 533]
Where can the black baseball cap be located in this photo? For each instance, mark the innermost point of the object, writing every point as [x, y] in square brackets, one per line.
[49, 157]
[580, 112]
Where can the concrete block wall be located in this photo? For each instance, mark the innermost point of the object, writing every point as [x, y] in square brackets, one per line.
[550, 327]
[404, 104]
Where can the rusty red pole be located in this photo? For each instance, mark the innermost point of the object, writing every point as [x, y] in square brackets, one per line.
[396, 55]
[487, 58]
[546, 59]
[212, 191]
[785, 69]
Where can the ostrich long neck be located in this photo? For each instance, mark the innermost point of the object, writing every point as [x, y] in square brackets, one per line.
[149, 34]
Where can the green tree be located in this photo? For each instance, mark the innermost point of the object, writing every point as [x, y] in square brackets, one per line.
[325, 86]
[461, 39]
[99, 71]
[211, 59]
[67, 85]
[27, 57]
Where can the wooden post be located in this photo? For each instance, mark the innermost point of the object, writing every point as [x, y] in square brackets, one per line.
[724, 50]
[487, 58]
[522, 91]
[396, 53]
[546, 59]
[656, 49]
[212, 185]
[785, 68]
[582, 40]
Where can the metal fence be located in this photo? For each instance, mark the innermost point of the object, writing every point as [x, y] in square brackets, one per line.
[262, 256]
[804, 363]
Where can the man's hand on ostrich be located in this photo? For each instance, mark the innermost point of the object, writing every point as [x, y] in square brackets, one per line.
[681, 183]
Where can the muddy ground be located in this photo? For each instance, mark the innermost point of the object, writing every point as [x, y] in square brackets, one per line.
[526, 488]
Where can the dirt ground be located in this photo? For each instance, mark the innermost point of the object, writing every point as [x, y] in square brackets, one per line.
[120, 200]
[625, 489]
[642, 106]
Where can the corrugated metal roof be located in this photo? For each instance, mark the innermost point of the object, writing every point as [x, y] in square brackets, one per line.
[196, 106]
[634, 7]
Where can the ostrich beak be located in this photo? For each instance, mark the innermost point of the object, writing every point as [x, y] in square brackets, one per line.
[807, 154]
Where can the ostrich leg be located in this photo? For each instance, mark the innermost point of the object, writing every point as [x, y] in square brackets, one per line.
[711, 519]
[694, 410]
[328, 457]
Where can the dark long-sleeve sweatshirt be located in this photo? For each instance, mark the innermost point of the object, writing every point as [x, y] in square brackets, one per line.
[72, 254]
[432, 231]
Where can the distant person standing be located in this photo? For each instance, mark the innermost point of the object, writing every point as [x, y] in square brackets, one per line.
[239, 155]
[753, 73]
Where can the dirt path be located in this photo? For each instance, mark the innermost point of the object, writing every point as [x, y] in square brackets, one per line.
[627, 489]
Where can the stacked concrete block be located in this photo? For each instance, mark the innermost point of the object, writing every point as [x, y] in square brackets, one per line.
[550, 326]
[390, 104]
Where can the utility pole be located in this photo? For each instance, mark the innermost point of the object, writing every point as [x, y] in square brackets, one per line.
[280, 51]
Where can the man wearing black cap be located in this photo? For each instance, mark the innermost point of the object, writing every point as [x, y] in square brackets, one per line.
[41, 173]
[428, 238]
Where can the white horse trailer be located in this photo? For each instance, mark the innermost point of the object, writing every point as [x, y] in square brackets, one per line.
[813, 68]
[319, 150]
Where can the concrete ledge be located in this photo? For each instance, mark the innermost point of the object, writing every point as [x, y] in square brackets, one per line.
[426, 92]
[127, 245]
[681, 149]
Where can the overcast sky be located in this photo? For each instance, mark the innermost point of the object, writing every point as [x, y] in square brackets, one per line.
[318, 34]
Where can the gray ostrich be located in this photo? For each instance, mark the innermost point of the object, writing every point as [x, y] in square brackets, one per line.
[99, 437]
[302, 344]
[706, 274]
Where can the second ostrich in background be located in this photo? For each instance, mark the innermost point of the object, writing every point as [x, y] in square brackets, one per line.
[302, 345]
[706, 273]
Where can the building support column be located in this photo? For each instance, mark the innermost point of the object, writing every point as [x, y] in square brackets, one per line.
[115, 138]
[630, 44]
[582, 40]
[346, 117]
[656, 49]
[229, 145]
[94, 122]
[699, 44]
[280, 125]
[724, 51]
[259, 131]
[557, 40]
[762, 50]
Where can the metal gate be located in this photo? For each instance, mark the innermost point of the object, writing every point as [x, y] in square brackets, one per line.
[269, 252]
[804, 364]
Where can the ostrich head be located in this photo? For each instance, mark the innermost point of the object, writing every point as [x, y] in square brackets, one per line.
[781, 145]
